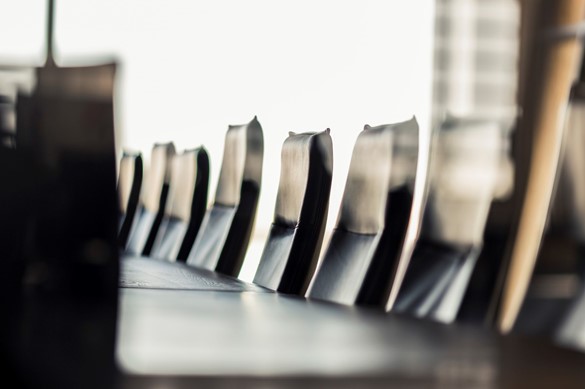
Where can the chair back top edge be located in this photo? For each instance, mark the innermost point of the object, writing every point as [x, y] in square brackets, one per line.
[301, 154]
[158, 175]
[384, 158]
[130, 173]
[184, 176]
[242, 162]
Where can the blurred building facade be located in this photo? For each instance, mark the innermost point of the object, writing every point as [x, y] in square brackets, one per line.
[476, 53]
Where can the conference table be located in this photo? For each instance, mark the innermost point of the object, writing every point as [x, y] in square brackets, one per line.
[213, 335]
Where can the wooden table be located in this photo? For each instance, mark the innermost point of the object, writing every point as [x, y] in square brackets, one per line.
[186, 338]
[144, 272]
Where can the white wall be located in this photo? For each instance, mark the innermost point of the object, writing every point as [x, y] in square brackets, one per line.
[190, 68]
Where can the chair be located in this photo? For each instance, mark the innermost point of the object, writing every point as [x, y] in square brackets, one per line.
[463, 180]
[152, 202]
[227, 225]
[366, 243]
[294, 241]
[186, 205]
[129, 184]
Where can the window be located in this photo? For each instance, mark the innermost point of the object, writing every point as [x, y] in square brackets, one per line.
[190, 68]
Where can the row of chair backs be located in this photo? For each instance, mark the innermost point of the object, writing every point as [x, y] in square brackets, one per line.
[221, 245]
[294, 240]
[361, 260]
[164, 218]
[292, 248]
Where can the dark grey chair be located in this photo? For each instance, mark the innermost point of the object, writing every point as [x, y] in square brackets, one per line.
[186, 205]
[152, 201]
[225, 233]
[294, 241]
[359, 263]
[463, 181]
[129, 185]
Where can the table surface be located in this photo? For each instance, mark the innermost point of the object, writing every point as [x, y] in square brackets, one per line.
[144, 272]
[177, 338]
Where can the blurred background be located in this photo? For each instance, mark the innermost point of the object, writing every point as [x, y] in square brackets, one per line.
[190, 68]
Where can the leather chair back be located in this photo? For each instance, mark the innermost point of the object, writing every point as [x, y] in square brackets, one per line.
[367, 241]
[152, 201]
[463, 181]
[129, 185]
[186, 206]
[296, 234]
[227, 226]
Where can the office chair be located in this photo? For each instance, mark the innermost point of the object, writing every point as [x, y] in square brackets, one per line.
[367, 241]
[225, 232]
[129, 185]
[185, 207]
[152, 201]
[294, 241]
[463, 180]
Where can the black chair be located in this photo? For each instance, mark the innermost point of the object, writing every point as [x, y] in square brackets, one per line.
[129, 185]
[359, 263]
[294, 241]
[152, 201]
[225, 233]
[186, 205]
[463, 181]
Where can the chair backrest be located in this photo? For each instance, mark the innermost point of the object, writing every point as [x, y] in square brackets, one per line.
[294, 241]
[185, 207]
[129, 185]
[463, 181]
[225, 232]
[152, 201]
[367, 240]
